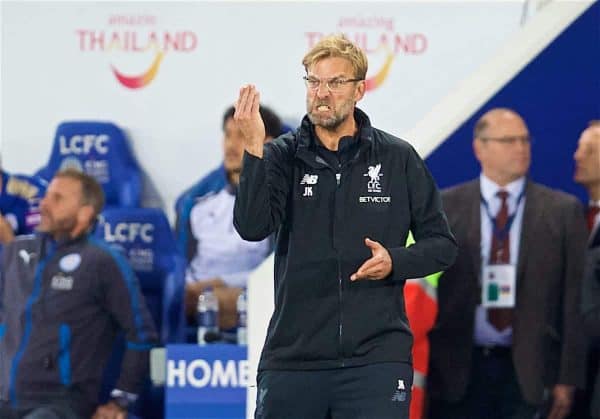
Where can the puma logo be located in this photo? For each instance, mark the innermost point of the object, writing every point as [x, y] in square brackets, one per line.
[23, 254]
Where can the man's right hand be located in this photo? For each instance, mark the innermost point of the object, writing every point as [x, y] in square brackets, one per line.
[248, 118]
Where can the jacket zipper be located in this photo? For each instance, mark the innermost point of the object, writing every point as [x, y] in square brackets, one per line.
[338, 177]
[341, 313]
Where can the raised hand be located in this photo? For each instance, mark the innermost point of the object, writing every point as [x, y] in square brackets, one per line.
[248, 118]
[378, 266]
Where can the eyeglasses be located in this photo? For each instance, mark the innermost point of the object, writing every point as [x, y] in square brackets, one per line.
[523, 139]
[333, 85]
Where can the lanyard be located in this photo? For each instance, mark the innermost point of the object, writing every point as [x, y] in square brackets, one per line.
[501, 234]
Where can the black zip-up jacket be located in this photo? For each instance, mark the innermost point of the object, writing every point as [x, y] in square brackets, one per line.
[322, 214]
[61, 306]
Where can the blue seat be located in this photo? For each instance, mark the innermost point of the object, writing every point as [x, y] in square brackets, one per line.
[99, 149]
[145, 237]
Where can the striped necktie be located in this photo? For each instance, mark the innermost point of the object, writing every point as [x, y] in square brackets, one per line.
[500, 318]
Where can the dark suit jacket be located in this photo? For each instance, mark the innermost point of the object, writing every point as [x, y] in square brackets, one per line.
[590, 307]
[594, 240]
[548, 342]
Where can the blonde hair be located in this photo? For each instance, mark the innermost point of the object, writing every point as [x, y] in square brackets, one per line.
[338, 46]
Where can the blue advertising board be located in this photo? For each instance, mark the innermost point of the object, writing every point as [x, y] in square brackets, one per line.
[207, 382]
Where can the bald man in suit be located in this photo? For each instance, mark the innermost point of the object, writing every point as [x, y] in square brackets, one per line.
[587, 173]
[507, 342]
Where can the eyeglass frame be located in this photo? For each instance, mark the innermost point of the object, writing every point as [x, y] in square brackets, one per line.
[341, 81]
[510, 139]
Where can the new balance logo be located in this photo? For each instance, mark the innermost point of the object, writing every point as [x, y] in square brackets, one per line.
[309, 179]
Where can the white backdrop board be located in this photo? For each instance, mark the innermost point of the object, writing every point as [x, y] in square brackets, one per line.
[186, 61]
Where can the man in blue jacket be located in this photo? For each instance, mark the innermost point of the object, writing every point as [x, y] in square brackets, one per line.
[342, 197]
[63, 299]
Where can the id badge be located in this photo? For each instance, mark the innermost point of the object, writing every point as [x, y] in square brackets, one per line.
[498, 286]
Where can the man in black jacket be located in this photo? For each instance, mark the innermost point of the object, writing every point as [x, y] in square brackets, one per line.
[342, 197]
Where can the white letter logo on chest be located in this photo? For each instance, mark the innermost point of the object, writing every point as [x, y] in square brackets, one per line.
[374, 174]
[309, 180]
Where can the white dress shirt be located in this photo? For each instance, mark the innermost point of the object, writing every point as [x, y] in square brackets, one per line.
[220, 251]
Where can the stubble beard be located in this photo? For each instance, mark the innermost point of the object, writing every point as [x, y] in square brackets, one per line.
[333, 122]
[57, 228]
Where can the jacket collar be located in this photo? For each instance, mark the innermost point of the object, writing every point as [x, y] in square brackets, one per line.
[47, 238]
[307, 140]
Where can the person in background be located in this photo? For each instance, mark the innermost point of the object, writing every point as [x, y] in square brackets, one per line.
[63, 299]
[217, 256]
[420, 301]
[507, 342]
[19, 204]
[587, 173]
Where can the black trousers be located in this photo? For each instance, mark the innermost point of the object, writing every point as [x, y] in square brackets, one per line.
[380, 391]
[493, 391]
